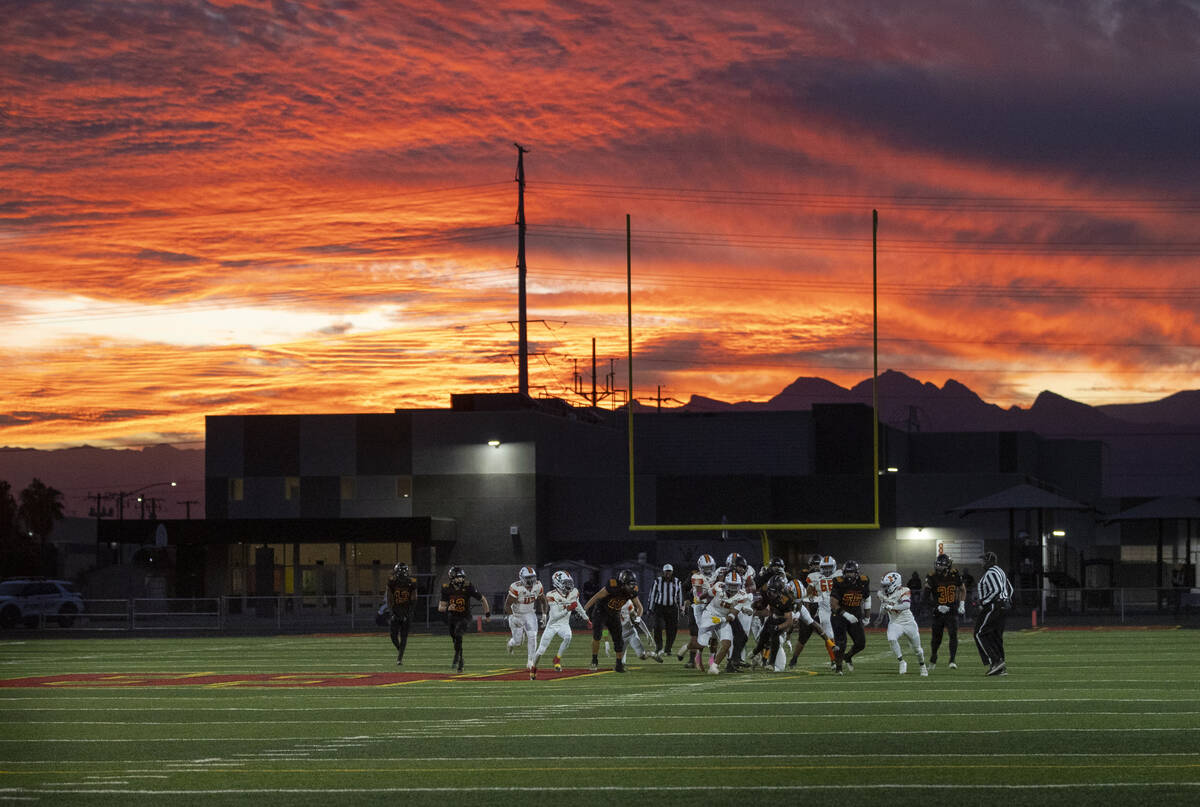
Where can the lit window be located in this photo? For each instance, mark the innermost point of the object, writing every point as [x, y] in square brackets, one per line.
[291, 488]
[235, 489]
[349, 488]
[403, 487]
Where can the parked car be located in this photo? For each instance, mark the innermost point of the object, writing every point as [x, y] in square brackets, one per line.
[28, 598]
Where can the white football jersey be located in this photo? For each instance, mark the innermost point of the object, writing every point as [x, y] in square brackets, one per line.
[627, 613]
[722, 606]
[523, 597]
[823, 585]
[560, 605]
[898, 606]
[702, 588]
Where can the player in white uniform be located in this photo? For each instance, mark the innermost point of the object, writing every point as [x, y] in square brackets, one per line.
[820, 583]
[525, 600]
[702, 582]
[895, 600]
[730, 601]
[636, 635]
[561, 601]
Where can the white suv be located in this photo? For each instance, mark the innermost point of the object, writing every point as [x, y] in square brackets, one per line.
[26, 599]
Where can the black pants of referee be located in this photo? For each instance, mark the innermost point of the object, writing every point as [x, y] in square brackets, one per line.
[665, 616]
[989, 634]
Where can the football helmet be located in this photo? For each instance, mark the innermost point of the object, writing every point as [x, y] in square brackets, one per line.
[628, 581]
[777, 565]
[457, 575]
[942, 564]
[850, 570]
[733, 583]
[707, 564]
[891, 582]
[400, 570]
[814, 560]
[827, 565]
[733, 560]
[741, 564]
[562, 581]
[776, 585]
[528, 576]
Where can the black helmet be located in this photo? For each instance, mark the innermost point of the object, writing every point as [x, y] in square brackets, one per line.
[628, 581]
[850, 570]
[814, 560]
[942, 564]
[457, 575]
[400, 570]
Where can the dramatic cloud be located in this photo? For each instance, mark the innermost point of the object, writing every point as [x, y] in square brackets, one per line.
[224, 207]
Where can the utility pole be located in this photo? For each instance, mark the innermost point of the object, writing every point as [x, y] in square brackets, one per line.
[188, 507]
[522, 314]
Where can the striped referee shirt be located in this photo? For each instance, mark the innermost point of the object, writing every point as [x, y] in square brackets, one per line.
[666, 592]
[994, 586]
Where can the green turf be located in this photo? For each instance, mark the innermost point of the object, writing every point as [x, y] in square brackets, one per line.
[1084, 717]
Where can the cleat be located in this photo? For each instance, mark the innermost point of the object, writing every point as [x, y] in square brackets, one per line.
[996, 669]
[620, 666]
[713, 669]
[658, 657]
[924, 671]
[933, 666]
[510, 647]
[533, 673]
[460, 666]
[838, 671]
[953, 666]
[558, 668]
[849, 665]
[592, 667]
[903, 667]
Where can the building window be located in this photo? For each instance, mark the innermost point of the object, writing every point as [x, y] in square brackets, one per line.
[235, 489]
[349, 488]
[291, 488]
[1146, 553]
[403, 487]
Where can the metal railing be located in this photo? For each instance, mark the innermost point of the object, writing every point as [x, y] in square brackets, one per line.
[357, 613]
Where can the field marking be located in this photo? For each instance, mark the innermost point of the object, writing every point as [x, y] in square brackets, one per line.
[425, 736]
[530, 714]
[591, 789]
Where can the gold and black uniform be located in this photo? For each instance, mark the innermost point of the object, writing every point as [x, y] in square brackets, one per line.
[943, 589]
[851, 591]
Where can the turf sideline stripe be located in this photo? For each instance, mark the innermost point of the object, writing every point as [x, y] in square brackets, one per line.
[426, 737]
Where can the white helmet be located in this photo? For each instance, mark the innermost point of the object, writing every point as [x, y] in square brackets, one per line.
[707, 564]
[828, 565]
[562, 581]
[528, 576]
[891, 581]
[733, 583]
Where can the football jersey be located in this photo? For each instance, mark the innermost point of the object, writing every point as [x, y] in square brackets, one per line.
[851, 594]
[898, 606]
[617, 595]
[944, 587]
[458, 598]
[402, 595]
[524, 597]
[722, 605]
[823, 585]
[702, 588]
[561, 605]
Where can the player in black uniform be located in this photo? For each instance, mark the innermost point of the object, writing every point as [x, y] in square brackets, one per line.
[776, 606]
[804, 629]
[851, 593]
[401, 597]
[456, 605]
[946, 592]
[607, 604]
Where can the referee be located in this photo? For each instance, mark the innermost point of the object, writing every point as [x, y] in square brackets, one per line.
[666, 601]
[995, 598]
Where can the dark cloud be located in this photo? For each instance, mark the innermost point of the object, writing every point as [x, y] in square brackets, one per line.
[158, 256]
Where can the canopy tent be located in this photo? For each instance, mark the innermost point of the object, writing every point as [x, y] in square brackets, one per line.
[1024, 497]
[1162, 510]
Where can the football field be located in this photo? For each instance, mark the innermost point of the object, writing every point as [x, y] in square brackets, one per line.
[1085, 717]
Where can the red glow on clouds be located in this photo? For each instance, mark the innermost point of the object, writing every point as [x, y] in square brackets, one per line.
[251, 207]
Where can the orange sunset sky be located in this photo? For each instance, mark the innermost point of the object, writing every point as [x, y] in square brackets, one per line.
[253, 207]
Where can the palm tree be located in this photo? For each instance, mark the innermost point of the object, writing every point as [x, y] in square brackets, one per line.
[41, 506]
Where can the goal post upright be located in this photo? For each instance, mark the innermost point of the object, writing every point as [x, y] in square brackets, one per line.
[763, 527]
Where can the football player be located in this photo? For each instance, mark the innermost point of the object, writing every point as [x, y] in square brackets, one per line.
[809, 598]
[730, 601]
[820, 584]
[633, 631]
[562, 601]
[778, 608]
[524, 604]
[701, 585]
[456, 605]
[605, 610]
[743, 623]
[401, 596]
[895, 600]
[850, 609]
[944, 588]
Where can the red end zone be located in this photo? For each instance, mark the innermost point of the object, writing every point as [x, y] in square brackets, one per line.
[273, 680]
